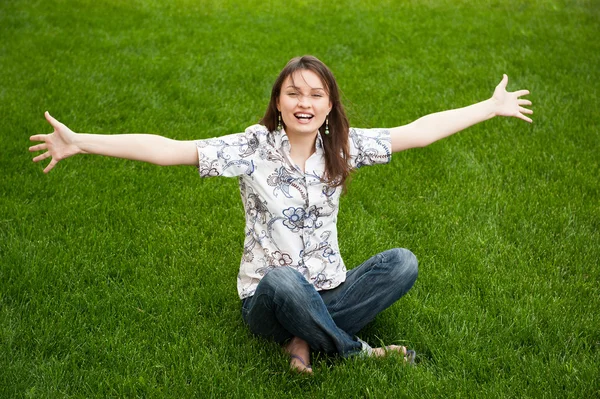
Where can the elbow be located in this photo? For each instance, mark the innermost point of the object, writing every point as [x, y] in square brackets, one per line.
[166, 161]
[423, 142]
[420, 142]
[163, 160]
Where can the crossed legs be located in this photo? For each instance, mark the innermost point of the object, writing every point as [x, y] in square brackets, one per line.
[286, 307]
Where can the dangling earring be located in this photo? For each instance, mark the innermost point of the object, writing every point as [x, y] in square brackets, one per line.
[327, 125]
[279, 126]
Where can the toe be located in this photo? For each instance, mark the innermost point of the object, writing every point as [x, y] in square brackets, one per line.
[396, 348]
[300, 367]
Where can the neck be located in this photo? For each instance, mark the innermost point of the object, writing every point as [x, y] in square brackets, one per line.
[302, 146]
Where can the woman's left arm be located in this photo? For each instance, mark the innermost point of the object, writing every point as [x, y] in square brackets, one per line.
[434, 127]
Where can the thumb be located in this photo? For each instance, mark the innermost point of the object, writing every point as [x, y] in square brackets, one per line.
[51, 120]
[504, 81]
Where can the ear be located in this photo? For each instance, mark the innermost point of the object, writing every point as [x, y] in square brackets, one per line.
[278, 107]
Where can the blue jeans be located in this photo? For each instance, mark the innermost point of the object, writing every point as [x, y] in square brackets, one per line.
[286, 305]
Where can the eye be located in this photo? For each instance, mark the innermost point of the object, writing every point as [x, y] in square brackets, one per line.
[317, 95]
[292, 93]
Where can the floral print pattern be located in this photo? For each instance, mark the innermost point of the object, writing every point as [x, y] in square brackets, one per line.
[294, 218]
[290, 215]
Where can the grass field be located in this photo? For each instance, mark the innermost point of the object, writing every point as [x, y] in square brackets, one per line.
[117, 279]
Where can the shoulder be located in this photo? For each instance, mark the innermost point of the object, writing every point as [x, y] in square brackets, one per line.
[258, 136]
[258, 132]
[357, 134]
[252, 135]
[361, 138]
[233, 154]
[369, 146]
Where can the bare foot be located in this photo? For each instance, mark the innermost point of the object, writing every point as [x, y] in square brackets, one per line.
[299, 351]
[409, 356]
[380, 352]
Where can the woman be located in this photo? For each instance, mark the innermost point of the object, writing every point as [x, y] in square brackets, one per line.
[292, 168]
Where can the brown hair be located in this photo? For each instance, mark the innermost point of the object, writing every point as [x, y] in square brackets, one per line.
[336, 149]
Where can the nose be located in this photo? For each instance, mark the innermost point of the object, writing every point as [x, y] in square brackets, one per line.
[303, 101]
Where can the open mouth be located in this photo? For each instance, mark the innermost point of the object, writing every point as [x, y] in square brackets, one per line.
[302, 117]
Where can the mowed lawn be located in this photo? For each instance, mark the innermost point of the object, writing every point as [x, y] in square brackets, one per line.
[118, 279]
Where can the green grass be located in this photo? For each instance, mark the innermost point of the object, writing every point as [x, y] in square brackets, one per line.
[118, 278]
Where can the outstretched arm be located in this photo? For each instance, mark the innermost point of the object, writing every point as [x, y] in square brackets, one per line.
[63, 143]
[434, 127]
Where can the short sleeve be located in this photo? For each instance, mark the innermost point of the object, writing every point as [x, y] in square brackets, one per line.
[369, 147]
[231, 155]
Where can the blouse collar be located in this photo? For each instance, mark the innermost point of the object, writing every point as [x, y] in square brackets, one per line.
[283, 142]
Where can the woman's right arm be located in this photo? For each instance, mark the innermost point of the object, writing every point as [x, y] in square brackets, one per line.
[63, 143]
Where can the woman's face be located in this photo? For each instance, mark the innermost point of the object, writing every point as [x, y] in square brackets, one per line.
[303, 102]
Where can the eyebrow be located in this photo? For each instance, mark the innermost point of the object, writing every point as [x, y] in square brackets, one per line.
[297, 88]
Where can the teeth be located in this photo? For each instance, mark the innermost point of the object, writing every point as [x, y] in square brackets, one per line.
[307, 116]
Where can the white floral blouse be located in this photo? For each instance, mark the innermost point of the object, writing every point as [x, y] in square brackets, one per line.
[291, 215]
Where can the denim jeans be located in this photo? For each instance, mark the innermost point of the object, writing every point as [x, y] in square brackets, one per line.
[286, 305]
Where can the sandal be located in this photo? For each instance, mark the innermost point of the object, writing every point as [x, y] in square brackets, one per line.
[308, 366]
[409, 356]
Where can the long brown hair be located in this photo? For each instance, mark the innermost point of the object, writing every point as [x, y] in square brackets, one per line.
[336, 148]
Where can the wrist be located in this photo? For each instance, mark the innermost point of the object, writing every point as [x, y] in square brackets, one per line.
[78, 141]
[491, 107]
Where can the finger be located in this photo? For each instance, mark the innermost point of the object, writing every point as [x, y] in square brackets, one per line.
[526, 119]
[521, 93]
[523, 102]
[525, 110]
[41, 157]
[504, 81]
[38, 147]
[50, 166]
[51, 120]
[38, 137]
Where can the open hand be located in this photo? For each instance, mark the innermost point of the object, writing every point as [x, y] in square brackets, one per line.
[509, 104]
[59, 144]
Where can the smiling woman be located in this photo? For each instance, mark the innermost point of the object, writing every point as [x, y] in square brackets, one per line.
[305, 99]
[304, 104]
[293, 284]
